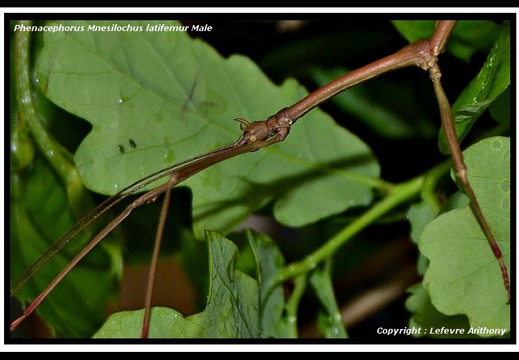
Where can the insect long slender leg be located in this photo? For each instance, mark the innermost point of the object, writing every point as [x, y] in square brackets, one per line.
[183, 171]
[461, 171]
[155, 257]
[30, 308]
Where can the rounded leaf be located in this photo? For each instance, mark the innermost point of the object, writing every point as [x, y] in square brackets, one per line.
[156, 98]
[464, 276]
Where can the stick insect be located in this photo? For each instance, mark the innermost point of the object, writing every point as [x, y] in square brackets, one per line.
[260, 134]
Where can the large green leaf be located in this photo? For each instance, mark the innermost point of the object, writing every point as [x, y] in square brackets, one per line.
[463, 276]
[154, 98]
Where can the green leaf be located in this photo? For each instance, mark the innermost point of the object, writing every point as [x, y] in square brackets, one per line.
[492, 80]
[154, 98]
[232, 309]
[413, 30]
[463, 276]
[419, 216]
[427, 318]
[269, 261]
[468, 36]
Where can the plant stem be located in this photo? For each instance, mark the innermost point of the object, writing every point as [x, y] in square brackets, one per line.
[292, 305]
[400, 194]
[67, 172]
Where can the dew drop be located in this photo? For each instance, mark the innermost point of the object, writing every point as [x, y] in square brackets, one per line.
[291, 319]
[119, 101]
[491, 60]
